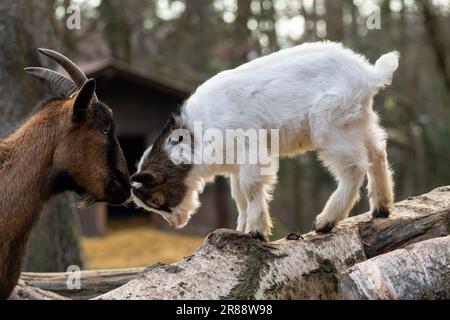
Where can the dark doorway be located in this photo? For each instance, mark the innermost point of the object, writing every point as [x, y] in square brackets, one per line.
[133, 147]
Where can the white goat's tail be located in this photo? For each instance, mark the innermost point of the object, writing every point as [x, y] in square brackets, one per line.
[385, 67]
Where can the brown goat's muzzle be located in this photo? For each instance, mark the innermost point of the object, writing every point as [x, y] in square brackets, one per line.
[118, 190]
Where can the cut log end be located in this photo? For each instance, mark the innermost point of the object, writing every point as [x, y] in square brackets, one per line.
[419, 271]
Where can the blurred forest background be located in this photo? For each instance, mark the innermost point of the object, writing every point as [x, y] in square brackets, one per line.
[187, 41]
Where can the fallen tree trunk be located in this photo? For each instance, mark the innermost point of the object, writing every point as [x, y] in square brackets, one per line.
[231, 265]
[23, 291]
[92, 282]
[419, 271]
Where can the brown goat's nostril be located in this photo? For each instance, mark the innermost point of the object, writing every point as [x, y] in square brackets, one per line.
[118, 190]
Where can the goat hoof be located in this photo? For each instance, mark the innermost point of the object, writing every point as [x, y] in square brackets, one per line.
[380, 213]
[258, 236]
[325, 229]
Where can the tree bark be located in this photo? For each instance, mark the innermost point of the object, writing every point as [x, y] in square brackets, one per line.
[16, 90]
[231, 265]
[92, 282]
[23, 291]
[431, 22]
[419, 271]
[54, 244]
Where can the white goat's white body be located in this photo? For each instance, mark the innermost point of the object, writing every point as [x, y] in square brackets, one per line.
[312, 84]
[319, 95]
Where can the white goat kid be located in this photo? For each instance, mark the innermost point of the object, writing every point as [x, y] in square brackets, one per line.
[319, 96]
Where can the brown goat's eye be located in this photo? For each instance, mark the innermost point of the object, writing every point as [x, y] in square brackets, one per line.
[104, 131]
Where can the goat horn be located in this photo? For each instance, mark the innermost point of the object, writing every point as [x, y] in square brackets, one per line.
[72, 69]
[60, 83]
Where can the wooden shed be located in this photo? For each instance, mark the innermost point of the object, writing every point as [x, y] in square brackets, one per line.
[141, 105]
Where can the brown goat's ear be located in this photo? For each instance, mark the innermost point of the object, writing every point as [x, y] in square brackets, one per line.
[83, 100]
[148, 179]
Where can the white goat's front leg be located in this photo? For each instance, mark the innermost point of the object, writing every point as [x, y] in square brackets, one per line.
[348, 163]
[241, 202]
[257, 189]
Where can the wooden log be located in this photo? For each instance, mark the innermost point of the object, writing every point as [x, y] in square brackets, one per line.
[419, 271]
[92, 282]
[231, 265]
[24, 291]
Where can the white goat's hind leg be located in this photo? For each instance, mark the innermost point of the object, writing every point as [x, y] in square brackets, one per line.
[380, 183]
[349, 166]
[259, 223]
[257, 189]
[241, 202]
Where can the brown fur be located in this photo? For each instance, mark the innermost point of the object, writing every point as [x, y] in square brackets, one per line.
[48, 154]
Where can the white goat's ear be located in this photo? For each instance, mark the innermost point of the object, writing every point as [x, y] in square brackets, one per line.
[83, 100]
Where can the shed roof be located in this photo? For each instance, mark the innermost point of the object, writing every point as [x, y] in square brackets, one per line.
[109, 68]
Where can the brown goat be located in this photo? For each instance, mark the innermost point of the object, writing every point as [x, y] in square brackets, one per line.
[68, 144]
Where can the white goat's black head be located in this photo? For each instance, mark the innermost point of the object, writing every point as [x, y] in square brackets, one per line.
[160, 184]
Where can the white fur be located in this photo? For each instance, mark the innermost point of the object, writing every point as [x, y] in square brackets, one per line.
[144, 156]
[320, 97]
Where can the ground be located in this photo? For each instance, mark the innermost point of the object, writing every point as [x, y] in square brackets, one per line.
[135, 243]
